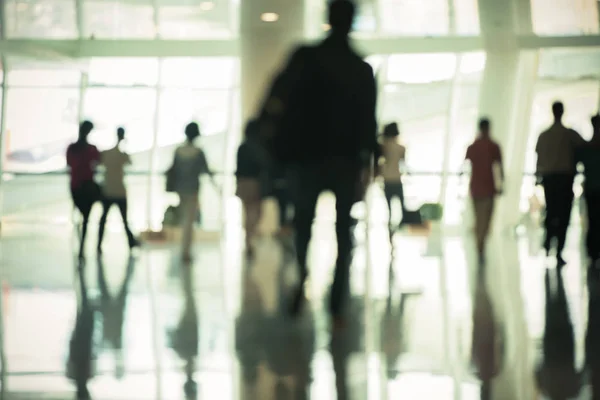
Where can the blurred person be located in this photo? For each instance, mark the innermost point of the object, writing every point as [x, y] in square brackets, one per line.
[184, 178]
[485, 156]
[556, 169]
[394, 154]
[589, 156]
[319, 122]
[250, 173]
[82, 159]
[113, 190]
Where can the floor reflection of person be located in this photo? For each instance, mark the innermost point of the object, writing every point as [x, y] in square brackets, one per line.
[589, 156]
[82, 159]
[184, 339]
[113, 188]
[81, 359]
[485, 352]
[113, 312]
[557, 376]
[556, 170]
[592, 337]
[324, 103]
[188, 165]
[484, 155]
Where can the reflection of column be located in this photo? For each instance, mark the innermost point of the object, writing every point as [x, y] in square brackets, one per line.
[265, 45]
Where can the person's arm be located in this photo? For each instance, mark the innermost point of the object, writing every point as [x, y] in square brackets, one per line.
[468, 157]
[69, 157]
[204, 169]
[501, 167]
[368, 120]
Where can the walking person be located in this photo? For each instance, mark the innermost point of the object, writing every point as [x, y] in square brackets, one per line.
[320, 121]
[556, 169]
[394, 155]
[82, 159]
[589, 156]
[485, 157]
[250, 174]
[183, 178]
[113, 189]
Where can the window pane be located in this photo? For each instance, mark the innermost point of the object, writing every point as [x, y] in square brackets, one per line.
[466, 17]
[118, 19]
[123, 71]
[565, 17]
[133, 109]
[414, 17]
[40, 19]
[195, 19]
[420, 111]
[200, 73]
[570, 63]
[421, 68]
[39, 74]
[40, 123]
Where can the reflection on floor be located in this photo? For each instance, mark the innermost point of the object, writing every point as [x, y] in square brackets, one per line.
[146, 327]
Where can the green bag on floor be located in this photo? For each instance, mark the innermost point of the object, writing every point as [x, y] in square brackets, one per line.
[432, 212]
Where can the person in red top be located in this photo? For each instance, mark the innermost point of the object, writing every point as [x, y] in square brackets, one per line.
[485, 158]
[82, 159]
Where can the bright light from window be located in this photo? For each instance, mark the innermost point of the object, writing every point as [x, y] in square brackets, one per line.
[269, 17]
[207, 5]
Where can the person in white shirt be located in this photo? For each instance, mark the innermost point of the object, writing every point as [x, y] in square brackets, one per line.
[394, 154]
[113, 190]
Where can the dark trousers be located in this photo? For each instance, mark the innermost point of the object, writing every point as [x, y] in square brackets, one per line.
[121, 203]
[84, 198]
[391, 190]
[592, 199]
[307, 182]
[558, 191]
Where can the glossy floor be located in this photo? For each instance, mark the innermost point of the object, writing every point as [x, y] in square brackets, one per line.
[419, 327]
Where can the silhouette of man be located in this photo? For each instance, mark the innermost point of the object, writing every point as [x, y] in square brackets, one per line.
[321, 124]
[484, 154]
[556, 170]
[589, 156]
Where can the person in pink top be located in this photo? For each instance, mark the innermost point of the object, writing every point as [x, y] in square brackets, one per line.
[485, 156]
[82, 159]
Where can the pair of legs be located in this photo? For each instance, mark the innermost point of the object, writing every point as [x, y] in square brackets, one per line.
[188, 209]
[249, 192]
[592, 199]
[84, 198]
[558, 192]
[484, 211]
[121, 203]
[391, 190]
[307, 182]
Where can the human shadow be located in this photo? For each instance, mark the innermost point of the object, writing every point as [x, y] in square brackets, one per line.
[112, 308]
[556, 375]
[81, 359]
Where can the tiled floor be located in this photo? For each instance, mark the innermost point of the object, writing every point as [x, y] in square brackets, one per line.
[148, 328]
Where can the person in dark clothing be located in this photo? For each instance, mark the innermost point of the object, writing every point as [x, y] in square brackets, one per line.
[320, 122]
[589, 156]
[250, 172]
[280, 190]
[82, 159]
[556, 170]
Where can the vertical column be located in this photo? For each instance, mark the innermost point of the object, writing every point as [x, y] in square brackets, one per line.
[2, 108]
[268, 31]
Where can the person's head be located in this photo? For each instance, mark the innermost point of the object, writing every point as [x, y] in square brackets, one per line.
[484, 127]
[391, 131]
[85, 128]
[558, 109]
[192, 131]
[252, 129]
[341, 16]
[120, 134]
